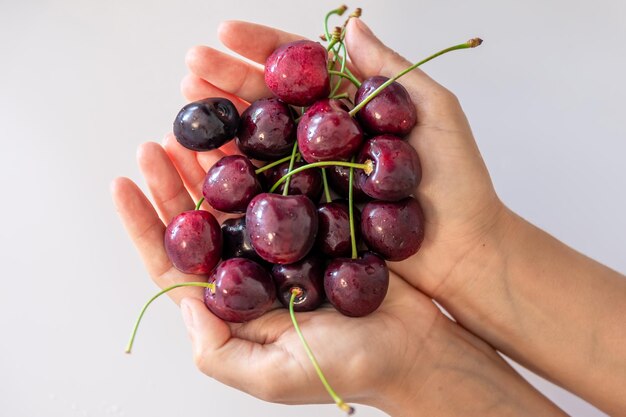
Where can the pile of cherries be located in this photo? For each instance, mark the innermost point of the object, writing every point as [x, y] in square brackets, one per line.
[309, 141]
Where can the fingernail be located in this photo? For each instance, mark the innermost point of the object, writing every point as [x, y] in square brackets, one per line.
[363, 27]
[187, 314]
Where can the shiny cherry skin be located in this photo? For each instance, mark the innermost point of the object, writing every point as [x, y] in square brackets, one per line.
[306, 275]
[392, 111]
[356, 287]
[394, 230]
[236, 242]
[333, 234]
[244, 290]
[230, 184]
[339, 180]
[193, 242]
[308, 182]
[267, 130]
[397, 170]
[297, 73]
[282, 229]
[327, 132]
[206, 124]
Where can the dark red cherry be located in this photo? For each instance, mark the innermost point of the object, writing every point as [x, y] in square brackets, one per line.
[244, 290]
[327, 132]
[206, 124]
[392, 111]
[267, 130]
[297, 73]
[397, 170]
[193, 242]
[308, 182]
[308, 276]
[230, 184]
[333, 234]
[282, 229]
[356, 287]
[236, 242]
[394, 230]
[339, 179]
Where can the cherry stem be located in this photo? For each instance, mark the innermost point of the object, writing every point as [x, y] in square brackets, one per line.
[199, 204]
[351, 211]
[208, 285]
[291, 162]
[472, 43]
[326, 189]
[295, 292]
[338, 11]
[368, 167]
[273, 164]
[342, 47]
[342, 95]
[347, 75]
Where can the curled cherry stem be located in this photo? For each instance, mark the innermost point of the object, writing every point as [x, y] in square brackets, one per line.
[295, 292]
[208, 285]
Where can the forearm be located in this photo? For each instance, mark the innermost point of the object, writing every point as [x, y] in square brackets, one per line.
[469, 379]
[550, 308]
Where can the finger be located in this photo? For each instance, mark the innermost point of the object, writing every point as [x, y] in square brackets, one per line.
[195, 88]
[146, 231]
[228, 73]
[168, 191]
[253, 41]
[240, 363]
[436, 105]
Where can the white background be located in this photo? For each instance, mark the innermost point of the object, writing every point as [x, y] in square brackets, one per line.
[83, 83]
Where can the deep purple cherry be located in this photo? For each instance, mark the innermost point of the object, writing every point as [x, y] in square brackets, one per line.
[282, 229]
[193, 242]
[339, 179]
[236, 242]
[356, 287]
[333, 234]
[297, 72]
[230, 184]
[244, 290]
[394, 230]
[267, 130]
[206, 124]
[392, 111]
[307, 182]
[306, 275]
[327, 132]
[397, 170]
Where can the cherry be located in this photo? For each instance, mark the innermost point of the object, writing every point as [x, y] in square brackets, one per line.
[282, 229]
[243, 290]
[308, 182]
[206, 124]
[267, 130]
[297, 73]
[327, 132]
[338, 178]
[236, 242]
[392, 111]
[333, 235]
[193, 242]
[397, 170]
[356, 287]
[230, 184]
[394, 230]
[307, 275]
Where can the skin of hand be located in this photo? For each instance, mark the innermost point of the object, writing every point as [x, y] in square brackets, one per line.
[462, 211]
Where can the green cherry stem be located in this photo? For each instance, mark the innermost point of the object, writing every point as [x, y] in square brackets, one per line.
[210, 286]
[367, 167]
[338, 11]
[342, 48]
[326, 189]
[291, 162]
[273, 164]
[347, 75]
[342, 95]
[295, 292]
[351, 211]
[472, 43]
[199, 204]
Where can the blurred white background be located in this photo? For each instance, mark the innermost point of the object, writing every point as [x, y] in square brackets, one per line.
[82, 83]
